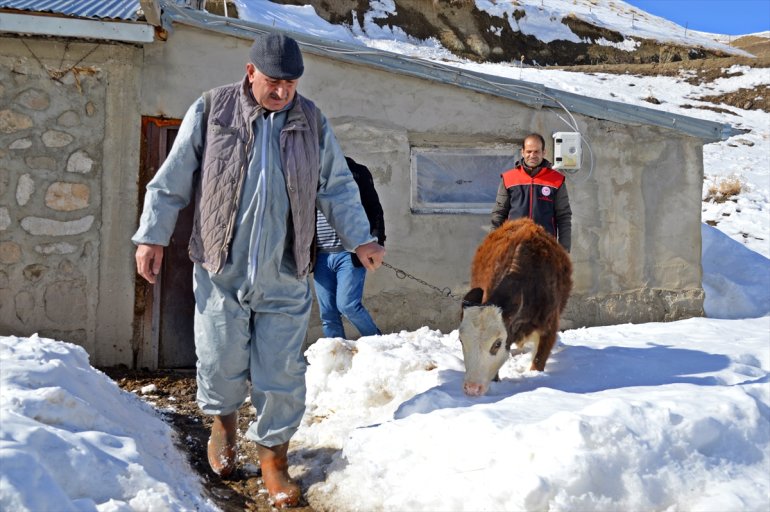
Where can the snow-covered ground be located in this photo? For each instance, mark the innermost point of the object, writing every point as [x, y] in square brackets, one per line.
[72, 440]
[660, 416]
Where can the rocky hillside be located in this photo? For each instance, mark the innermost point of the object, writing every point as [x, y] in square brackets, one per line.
[473, 34]
[476, 35]
[705, 70]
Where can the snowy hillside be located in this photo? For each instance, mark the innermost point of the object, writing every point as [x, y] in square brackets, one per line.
[584, 31]
[544, 20]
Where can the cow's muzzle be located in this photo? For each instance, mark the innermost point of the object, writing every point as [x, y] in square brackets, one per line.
[474, 389]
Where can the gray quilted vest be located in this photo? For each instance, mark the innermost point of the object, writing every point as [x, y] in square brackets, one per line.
[230, 112]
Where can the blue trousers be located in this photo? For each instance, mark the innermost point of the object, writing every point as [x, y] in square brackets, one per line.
[339, 288]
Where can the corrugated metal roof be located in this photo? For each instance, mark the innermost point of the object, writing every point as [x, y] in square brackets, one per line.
[528, 93]
[97, 9]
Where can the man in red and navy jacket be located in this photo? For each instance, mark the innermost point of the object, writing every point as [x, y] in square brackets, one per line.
[532, 189]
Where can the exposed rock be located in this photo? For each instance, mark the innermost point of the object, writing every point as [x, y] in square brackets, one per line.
[69, 119]
[5, 219]
[34, 99]
[473, 34]
[67, 197]
[55, 248]
[755, 98]
[10, 253]
[56, 139]
[24, 143]
[34, 272]
[80, 162]
[50, 227]
[11, 121]
[24, 189]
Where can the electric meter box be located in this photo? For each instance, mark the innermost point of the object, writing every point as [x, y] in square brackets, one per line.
[567, 150]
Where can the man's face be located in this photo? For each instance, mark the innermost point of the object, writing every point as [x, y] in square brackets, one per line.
[532, 151]
[271, 93]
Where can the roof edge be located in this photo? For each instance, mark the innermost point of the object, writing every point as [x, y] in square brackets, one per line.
[65, 26]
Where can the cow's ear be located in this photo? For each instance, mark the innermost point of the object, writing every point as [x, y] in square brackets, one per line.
[473, 298]
[507, 295]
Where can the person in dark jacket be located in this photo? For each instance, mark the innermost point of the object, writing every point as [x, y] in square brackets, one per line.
[339, 275]
[533, 189]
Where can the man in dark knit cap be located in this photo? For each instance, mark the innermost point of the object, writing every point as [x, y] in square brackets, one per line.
[257, 159]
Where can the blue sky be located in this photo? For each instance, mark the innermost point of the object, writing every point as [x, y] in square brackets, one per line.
[733, 17]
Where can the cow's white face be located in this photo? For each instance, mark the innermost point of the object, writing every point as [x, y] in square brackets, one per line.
[483, 335]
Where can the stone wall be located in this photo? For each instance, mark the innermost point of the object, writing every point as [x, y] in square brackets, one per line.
[53, 124]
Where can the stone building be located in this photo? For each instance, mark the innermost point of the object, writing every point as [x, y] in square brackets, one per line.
[90, 101]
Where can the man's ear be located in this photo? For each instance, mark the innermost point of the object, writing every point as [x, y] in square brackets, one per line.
[250, 69]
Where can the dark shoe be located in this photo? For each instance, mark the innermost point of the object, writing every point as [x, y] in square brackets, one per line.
[273, 460]
[222, 447]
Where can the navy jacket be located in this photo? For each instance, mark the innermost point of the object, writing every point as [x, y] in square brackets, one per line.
[370, 201]
[541, 196]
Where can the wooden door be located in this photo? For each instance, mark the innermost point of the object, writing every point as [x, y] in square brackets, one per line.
[166, 313]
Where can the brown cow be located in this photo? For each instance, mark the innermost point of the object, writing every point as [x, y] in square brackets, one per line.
[520, 282]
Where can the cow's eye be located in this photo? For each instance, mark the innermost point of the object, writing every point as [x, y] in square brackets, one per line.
[496, 346]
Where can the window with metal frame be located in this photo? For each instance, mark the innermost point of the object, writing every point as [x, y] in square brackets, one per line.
[458, 180]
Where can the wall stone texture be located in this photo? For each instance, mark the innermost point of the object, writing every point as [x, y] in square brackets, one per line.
[51, 139]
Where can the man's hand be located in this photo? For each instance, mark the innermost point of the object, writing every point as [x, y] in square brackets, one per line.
[148, 260]
[371, 255]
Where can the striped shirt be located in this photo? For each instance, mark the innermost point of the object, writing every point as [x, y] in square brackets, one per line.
[327, 240]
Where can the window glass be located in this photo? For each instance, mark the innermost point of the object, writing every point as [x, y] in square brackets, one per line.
[458, 180]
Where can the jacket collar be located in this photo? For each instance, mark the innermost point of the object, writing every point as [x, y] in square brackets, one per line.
[545, 164]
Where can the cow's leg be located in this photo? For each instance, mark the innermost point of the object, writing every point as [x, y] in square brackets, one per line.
[544, 346]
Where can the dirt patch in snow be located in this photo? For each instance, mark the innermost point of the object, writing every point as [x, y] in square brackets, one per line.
[757, 98]
[704, 71]
[173, 395]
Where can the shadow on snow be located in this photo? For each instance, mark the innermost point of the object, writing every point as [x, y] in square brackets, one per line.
[581, 369]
